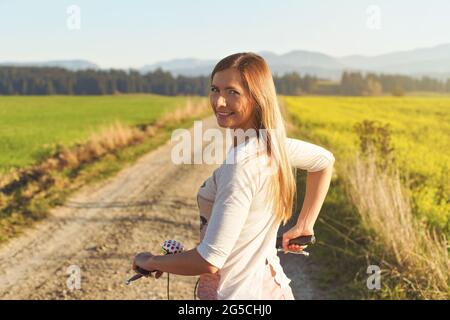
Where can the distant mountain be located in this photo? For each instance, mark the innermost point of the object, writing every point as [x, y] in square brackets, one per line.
[187, 67]
[304, 62]
[433, 62]
[300, 61]
[67, 64]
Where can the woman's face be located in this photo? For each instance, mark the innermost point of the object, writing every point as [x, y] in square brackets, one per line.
[230, 101]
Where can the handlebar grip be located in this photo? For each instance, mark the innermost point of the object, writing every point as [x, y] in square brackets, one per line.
[139, 274]
[141, 271]
[301, 241]
[134, 278]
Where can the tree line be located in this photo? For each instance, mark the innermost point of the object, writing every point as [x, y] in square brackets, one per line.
[355, 83]
[53, 80]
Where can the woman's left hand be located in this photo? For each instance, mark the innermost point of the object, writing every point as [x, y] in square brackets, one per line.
[293, 233]
[143, 260]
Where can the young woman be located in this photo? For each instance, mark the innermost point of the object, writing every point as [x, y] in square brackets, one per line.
[244, 202]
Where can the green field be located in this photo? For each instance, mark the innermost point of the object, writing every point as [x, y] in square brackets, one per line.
[31, 126]
[420, 132]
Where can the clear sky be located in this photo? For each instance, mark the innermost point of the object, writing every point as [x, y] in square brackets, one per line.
[132, 33]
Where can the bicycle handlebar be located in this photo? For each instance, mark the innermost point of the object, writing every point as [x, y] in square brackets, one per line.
[301, 241]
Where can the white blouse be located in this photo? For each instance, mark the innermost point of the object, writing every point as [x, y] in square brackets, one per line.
[241, 229]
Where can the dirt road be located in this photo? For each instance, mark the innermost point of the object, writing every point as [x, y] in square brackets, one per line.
[99, 230]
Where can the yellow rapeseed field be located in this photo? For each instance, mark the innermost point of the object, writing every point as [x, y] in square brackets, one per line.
[420, 136]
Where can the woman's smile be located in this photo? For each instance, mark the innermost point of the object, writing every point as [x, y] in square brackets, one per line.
[222, 115]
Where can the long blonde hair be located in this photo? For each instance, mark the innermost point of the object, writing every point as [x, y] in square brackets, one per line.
[258, 82]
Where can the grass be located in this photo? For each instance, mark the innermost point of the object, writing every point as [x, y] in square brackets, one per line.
[34, 190]
[413, 258]
[32, 127]
[368, 218]
[339, 252]
[420, 134]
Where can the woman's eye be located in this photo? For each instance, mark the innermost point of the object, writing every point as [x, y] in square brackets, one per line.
[234, 92]
[213, 89]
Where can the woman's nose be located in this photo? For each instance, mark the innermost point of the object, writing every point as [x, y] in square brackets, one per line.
[220, 102]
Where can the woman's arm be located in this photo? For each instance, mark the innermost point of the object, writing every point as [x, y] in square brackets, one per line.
[317, 185]
[235, 191]
[188, 263]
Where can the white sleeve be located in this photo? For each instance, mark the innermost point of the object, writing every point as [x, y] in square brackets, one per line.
[308, 156]
[235, 192]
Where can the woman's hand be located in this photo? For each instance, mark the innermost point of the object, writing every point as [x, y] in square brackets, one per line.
[293, 233]
[143, 260]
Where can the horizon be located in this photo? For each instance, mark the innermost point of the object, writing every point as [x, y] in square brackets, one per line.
[196, 58]
[128, 36]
